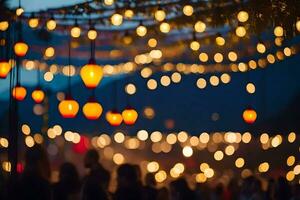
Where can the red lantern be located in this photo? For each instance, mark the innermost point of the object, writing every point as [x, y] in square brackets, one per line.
[68, 108]
[4, 68]
[21, 48]
[92, 110]
[19, 93]
[38, 95]
[249, 115]
[114, 118]
[129, 116]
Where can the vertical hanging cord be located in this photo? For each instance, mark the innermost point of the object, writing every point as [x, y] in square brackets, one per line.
[116, 94]
[69, 61]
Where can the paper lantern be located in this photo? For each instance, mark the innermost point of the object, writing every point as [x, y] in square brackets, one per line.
[68, 108]
[4, 68]
[21, 48]
[91, 74]
[249, 116]
[38, 95]
[92, 110]
[114, 118]
[129, 116]
[19, 93]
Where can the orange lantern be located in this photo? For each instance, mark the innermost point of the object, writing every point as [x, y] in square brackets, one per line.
[68, 108]
[91, 74]
[129, 116]
[38, 95]
[114, 118]
[4, 68]
[21, 48]
[19, 93]
[249, 116]
[92, 110]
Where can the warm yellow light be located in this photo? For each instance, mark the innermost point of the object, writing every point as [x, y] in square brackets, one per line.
[263, 167]
[243, 16]
[116, 19]
[278, 31]
[75, 31]
[171, 138]
[4, 25]
[220, 41]
[250, 88]
[142, 135]
[290, 161]
[246, 138]
[51, 24]
[188, 10]
[130, 89]
[195, 45]
[290, 176]
[229, 150]
[261, 48]
[249, 116]
[225, 78]
[68, 108]
[203, 166]
[209, 173]
[152, 84]
[19, 93]
[264, 138]
[156, 136]
[152, 166]
[232, 56]
[49, 52]
[165, 81]
[160, 176]
[187, 151]
[292, 137]
[21, 48]
[204, 138]
[118, 158]
[38, 95]
[141, 30]
[19, 11]
[160, 15]
[298, 25]
[114, 118]
[4, 142]
[129, 116]
[176, 77]
[164, 27]
[29, 141]
[128, 13]
[152, 42]
[108, 2]
[91, 74]
[201, 178]
[203, 57]
[218, 57]
[33, 22]
[239, 163]
[200, 26]
[92, 110]
[218, 155]
[5, 68]
[92, 34]
[182, 136]
[240, 31]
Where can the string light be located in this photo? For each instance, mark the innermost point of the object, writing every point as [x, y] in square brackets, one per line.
[4, 25]
[278, 31]
[261, 48]
[33, 22]
[220, 40]
[128, 13]
[188, 10]
[243, 16]
[195, 45]
[164, 27]
[200, 26]
[240, 31]
[92, 33]
[19, 11]
[160, 15]
[141, 30]
[116, 19]
[51, 24]
[75, 31]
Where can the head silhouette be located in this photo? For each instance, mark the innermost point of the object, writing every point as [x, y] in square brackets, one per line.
[91, 158]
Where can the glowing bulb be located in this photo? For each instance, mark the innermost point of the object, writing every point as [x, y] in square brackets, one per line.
[129, 13]
[92, 34]
[160, 15]
[33, 22]
[220, 41]
[188, 10]
[19, 11]
[200, 26]
[141, 30]
[278, 31]
[51, 24]
[195, 45]
[243, 16]
[116, 19]
[108, 2]
[75, 32]
[261, 48]
[165, 27]
[240, 31]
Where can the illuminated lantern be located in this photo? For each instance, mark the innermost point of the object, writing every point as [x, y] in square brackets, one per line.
[82, 146]
[4, 68]
[249, 116]
[91, 74]
[92, 110]
[21, 48]
[129, 116]
[114, 118]
[19, 93]
[38, 95]
[68, 108]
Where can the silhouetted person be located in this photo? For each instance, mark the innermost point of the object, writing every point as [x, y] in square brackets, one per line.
[163, 194]
[202, 191]
[217, 193]
[95, 184]
[128, 184]
[34, 182]
[68, 186]
[180, 190]
[150, 191]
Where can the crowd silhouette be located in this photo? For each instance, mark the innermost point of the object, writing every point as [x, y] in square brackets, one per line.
[34, 184]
